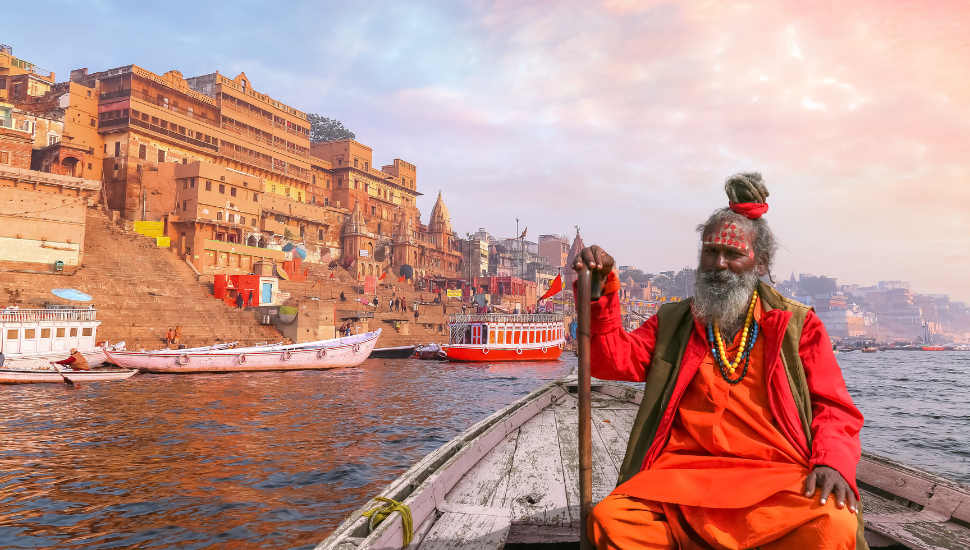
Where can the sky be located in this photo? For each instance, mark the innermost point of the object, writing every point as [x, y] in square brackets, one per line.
[621, 117]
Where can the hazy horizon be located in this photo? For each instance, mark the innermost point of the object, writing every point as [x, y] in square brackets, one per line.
[622, 117]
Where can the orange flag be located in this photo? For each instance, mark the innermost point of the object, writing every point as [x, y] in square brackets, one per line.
[401, 280]
[554, 288]
[331, 274]
[383, 275]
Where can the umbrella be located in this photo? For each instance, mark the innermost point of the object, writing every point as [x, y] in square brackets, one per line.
[406, 271]
[71, 294]
[297, 249]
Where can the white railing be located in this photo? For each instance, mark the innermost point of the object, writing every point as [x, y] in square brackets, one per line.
[506, 318]
[36, 315]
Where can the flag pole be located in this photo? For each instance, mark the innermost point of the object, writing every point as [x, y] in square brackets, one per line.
[583, 333]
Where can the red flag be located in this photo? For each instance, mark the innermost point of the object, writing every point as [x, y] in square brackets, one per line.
[331, 274]
[401, 280]
[383, 275]
[554, 288]
[522, 236]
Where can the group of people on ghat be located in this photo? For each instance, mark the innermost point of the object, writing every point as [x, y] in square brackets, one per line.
[244, 298]
[746, 436]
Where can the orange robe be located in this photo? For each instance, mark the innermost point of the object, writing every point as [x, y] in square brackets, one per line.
[727, 478]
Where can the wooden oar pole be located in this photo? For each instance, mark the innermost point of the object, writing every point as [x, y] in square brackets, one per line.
[585, 410]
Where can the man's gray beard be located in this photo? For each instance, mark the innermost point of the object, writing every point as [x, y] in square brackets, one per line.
[723, 297]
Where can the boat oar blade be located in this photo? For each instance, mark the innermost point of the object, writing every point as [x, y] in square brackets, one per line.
[585, 421]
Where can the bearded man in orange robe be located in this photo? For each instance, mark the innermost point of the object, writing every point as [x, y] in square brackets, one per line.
[746, 435]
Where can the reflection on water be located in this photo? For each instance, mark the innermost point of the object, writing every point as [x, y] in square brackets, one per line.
[246, 460]
[256, 460]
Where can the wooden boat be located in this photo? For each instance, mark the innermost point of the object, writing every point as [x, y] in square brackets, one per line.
[41, 376]
[400, 352]
[513, 478]
[32, 338]
[934, 348]
[430, 352]
[348, 351]
[500, 337]
[870, 350]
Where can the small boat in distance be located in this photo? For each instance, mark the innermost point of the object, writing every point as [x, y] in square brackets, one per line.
[869, 350]
[490, 337]
[430, 352]
[347, 351]
[45, 376]
[934, 348]
[400, 352]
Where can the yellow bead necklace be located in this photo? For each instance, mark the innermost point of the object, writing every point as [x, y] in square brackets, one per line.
[727, 366]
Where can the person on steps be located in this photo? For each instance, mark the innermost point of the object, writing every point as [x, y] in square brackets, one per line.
[249, 300]
[178, 334]
[76, 361]
[169, 336]
[239, 300]
[342, 297]
[746, 437]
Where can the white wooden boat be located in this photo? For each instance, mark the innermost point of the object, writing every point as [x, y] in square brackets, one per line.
[513, 478]
[41, 376]
[32, 338]
[348, 351]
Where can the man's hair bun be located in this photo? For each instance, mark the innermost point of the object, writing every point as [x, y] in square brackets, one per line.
[746, 187]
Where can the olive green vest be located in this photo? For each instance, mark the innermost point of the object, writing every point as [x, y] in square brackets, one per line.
[674, 327]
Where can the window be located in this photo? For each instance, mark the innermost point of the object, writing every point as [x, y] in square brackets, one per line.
[232, 191]
[4, 157]
[287, 191]
[30, 333]
[365, 165]
[3, 83]
[89, 165]
[45, 333]
[155, 120]
[142, 152]
[73, 333]
[255, 197]
[232, 218]
[219, 215]
[222, 189]
[86, 332]
[242, 220]
[161, 155]
[117, 148]
[92, 122]
[340, 182]
[320, 234]
[208, 186]
[185, 205]
[373, 210]
[51, 140]
[191, 183]
[60, 331]
[185, 184]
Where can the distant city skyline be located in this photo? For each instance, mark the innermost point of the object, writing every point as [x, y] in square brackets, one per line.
[623, 117]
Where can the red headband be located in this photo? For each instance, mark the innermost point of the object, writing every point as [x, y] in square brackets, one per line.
[750, 210]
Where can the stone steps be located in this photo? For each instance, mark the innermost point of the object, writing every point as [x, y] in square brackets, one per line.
[140, 291]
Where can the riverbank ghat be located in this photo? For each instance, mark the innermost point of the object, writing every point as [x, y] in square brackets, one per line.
[512, 479]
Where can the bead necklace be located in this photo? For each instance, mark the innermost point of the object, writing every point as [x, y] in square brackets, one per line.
[726, 366]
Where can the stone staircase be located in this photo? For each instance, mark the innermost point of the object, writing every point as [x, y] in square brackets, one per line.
[432, 325]
[140, 291]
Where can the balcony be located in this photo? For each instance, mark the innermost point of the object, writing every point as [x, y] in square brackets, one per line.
[139, 96]
[302, 175]
[174, 135]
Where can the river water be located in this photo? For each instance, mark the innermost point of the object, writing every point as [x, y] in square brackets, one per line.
[277, 460]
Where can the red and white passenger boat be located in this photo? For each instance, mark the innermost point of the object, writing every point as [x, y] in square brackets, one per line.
[506, 337]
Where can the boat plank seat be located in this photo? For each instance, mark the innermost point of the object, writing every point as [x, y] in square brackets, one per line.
[513, 479]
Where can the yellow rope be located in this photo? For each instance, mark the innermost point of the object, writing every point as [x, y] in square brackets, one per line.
[379, 514]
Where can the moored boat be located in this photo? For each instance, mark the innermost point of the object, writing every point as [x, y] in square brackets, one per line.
[513, 478]
[429, 352]
[32, 338]
[502, 337]
[934, 348]
[43, 376]
[399, 352]
[348, 351]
